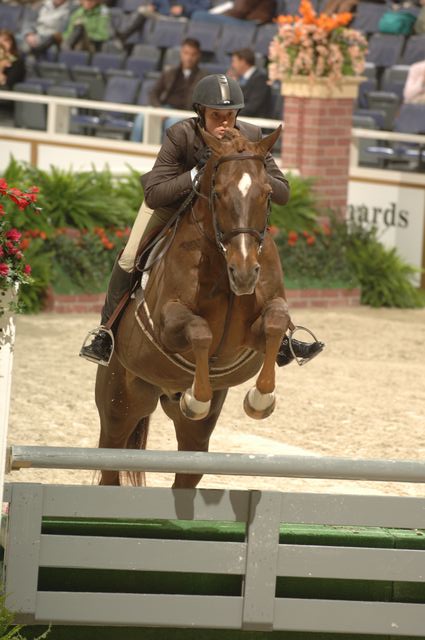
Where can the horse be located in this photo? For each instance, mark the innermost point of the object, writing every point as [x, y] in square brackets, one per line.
[211, 315]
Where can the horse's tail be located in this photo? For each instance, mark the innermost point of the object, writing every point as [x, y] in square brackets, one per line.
[138, 440]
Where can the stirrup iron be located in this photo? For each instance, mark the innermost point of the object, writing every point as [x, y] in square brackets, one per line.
[87, 342]
[301, 361]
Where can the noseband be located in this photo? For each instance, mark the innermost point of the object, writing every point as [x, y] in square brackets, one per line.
[222, 238]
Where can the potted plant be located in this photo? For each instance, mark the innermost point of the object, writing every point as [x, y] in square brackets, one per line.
[318, 54]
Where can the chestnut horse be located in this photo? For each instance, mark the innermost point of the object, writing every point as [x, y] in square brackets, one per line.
[212, 314]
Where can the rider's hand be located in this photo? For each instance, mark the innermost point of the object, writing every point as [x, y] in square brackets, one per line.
[203, 158]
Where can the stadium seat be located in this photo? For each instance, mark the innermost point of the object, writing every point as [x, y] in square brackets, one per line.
[386, 101]
[265, 35]
[206, 32]
[171, 57]
[129, 6]
[414, 51]
[71, 58]
[144, 58]
[234, 37]
[119, 89]
[10, 15]
[365, 122]
[394, 79]
[62, 91]
[215, 67]
[57, 71]
[166, 33]
[385, 49]
[105, 61]
[367, 17]
[144, 92]
[93, 78]
[377, 115]
[30, 115]
[371, 84]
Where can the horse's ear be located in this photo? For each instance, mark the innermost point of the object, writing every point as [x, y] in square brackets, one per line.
[267, 143]
[211, 142]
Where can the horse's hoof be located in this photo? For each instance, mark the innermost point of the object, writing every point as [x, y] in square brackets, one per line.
[192, 408]
[259, 405]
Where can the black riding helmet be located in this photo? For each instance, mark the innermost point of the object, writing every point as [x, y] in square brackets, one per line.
[217, 92]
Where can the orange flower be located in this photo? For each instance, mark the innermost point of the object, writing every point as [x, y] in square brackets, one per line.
[292, 238]
[310, 240]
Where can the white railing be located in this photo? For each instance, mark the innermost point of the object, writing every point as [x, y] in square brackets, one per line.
[59, 113]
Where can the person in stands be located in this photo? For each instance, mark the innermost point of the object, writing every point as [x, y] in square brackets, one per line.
[255, 88]
[88, 28]
[414, 89]
[258, 11]
[12, 65]
[175, 85]
[46, 28]
[217, 101]
[160, 9]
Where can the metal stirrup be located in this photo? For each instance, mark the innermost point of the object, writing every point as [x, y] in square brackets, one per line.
[86, 343]
[300, 361]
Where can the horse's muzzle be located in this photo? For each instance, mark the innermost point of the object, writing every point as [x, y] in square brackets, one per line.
[243, 281]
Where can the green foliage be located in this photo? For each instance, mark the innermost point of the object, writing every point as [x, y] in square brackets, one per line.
[302, 210]
[10, 631]
[385, 278]
[31, 296]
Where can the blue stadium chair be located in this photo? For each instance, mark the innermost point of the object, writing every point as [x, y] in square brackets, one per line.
[166, 33]
[265, 35]
[71, 58]
[105, 61]
[378, 116]
[367, 17]
[414, 51]
[93, 78]
[216, 67]
[81, 89]
[234, 37]
[144, 58]
[385, 49]
[206, 32]
[30, 115]
[371, 84]
[394, 79]
[62, 91]
[365, 158]
[45, 83]
[129, 6]
[144, 92]
[411, 119]
[171, 57]
[10, 16]
[57, 71]
[386, 101]
[119, 89]
[142, 34]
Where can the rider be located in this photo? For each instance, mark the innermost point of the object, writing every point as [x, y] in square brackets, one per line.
[217, 101]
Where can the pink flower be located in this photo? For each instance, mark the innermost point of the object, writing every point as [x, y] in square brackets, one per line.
[4, 269]
[14, 235]
[27, 270]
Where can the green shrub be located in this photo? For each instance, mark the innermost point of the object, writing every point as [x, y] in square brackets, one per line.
[302, 210]
[10, 631]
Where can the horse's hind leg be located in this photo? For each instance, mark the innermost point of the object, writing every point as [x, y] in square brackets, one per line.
[123, 401]
[193, 436]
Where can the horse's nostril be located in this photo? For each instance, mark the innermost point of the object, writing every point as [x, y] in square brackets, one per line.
[257, 269]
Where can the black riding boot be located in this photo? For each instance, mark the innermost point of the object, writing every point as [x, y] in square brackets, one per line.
[302, 351]
[101, 347]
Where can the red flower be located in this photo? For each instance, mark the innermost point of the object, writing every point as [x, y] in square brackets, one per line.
[292, 238]
[11, 248]
[14, 235]
[3, 186]
[27, 270]
[2, 211]
[310, 240]
[4, 269]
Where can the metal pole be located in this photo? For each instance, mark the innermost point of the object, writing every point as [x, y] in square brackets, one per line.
[238, 464]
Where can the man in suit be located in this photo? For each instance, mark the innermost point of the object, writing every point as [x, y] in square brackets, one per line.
[253, 82]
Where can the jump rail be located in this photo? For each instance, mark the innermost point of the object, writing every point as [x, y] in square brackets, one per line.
[138, 558]
[244, 464]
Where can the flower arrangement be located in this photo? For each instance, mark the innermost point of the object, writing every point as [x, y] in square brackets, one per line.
[317, 46]
[14, 270]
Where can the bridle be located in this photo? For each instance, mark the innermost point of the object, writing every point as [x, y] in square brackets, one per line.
[221, 237]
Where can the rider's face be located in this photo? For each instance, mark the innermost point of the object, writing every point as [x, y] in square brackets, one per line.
[218, 120]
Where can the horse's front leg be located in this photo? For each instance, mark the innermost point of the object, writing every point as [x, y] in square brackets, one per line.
[260, 400]
[181, 330]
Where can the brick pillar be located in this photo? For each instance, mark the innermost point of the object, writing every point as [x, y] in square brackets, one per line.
[316, 137]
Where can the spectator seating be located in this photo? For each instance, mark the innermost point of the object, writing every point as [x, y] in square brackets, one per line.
[119, 89]
[377, 115]
[414, 50]
[10, 16]
[207, 33]
[385, 49]
[93, 78]
[386, 101]
[365, 122]
[57, 71]
[30, 115]
[71, 58]
[371, 84]
[265, 33]
[367, 17]
[144, 92]
[105, 61]
[142, 64]
[394, 79]
[166, 33]
[234, 37]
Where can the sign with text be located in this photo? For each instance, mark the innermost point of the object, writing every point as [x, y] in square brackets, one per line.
[397, 212]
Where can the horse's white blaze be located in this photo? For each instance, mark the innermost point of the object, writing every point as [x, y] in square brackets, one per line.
[244, 184]
[243, 247]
